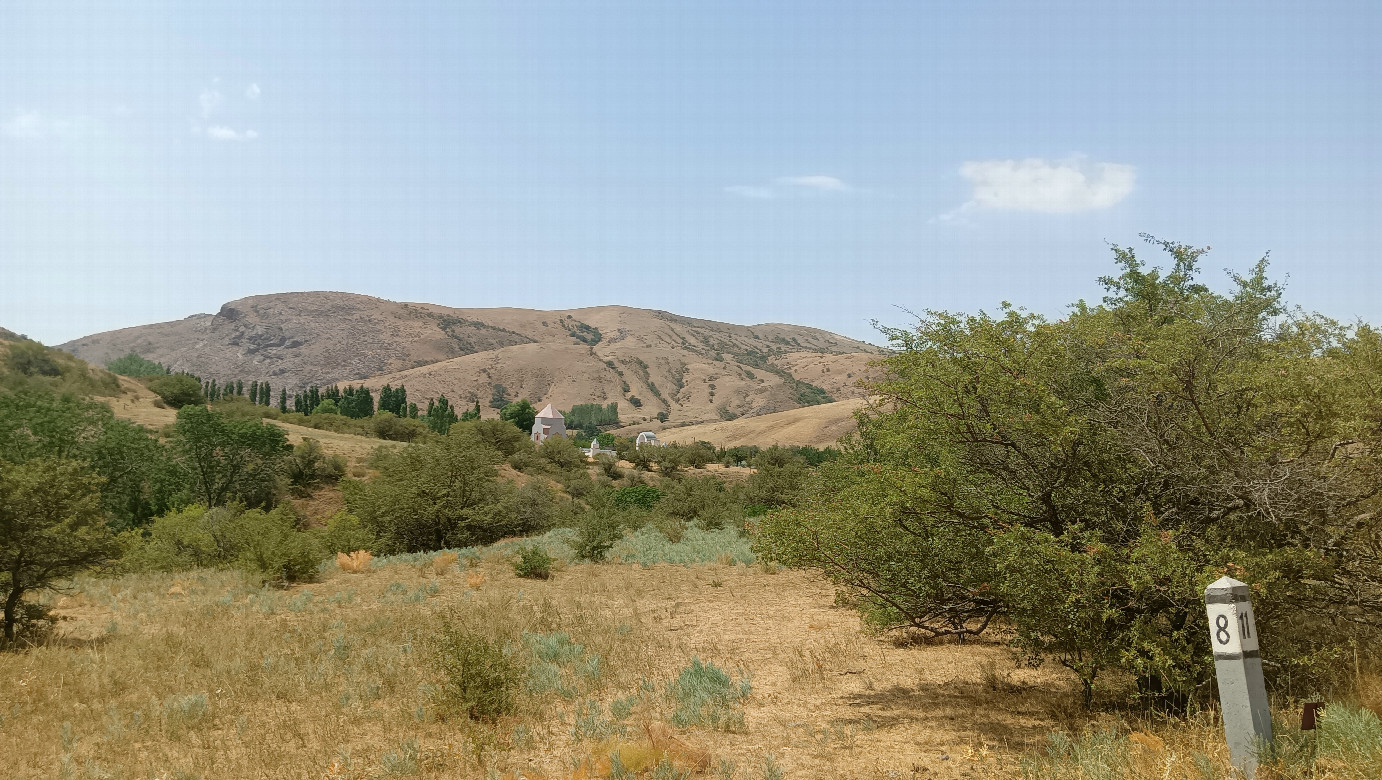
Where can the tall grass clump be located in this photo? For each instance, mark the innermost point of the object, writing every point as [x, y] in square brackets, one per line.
[707, 696]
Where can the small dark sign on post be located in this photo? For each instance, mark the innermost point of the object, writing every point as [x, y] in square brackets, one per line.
[1238, 667]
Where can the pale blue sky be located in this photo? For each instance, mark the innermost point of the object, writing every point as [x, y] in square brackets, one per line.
[807, 162]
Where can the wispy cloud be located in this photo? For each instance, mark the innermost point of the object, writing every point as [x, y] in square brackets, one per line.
[32, 125]
[210, 100]
[1057, 187]
[790, 186]
[223, 133]
[818, 183]
[25, 125]
[226, 110]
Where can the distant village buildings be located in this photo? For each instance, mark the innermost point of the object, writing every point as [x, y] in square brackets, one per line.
[647, 439]
[549, 422]
[595, 450]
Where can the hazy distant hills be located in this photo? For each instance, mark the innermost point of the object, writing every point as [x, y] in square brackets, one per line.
[694, 370]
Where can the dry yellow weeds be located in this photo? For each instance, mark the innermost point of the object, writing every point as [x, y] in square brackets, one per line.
[355, 562]
[443, 563]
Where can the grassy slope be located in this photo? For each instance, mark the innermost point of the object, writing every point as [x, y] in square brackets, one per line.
[816, 426]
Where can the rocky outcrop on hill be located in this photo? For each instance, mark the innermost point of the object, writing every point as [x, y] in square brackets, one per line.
[650, 362]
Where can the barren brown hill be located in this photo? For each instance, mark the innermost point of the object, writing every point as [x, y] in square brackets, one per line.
[814, 426]
[693, 370]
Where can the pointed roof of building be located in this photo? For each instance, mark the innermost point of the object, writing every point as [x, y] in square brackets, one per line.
[550, 413]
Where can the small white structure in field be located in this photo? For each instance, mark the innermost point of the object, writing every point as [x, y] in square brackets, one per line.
[595, 450]
[649, 438]
[548, 423]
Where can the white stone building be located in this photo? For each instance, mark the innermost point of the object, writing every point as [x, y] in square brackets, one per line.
[647, 438]
[549, 422]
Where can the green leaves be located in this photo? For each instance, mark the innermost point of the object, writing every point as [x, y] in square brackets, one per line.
[227, 459]
[1083, 479]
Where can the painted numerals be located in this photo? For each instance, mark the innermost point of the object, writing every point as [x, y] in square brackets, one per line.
[1231, 627]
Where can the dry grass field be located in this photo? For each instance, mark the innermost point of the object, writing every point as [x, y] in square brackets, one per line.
[206, 675]
[209, 675]
[815, 426]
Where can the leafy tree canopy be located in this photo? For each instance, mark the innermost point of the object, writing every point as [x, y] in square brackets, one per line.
[51, 527]
[229, 460]
[1084, 479]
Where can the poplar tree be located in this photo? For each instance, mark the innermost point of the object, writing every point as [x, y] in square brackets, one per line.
[283, 401]
[239, 387]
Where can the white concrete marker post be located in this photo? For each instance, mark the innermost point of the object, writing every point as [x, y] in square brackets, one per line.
[1238, 667]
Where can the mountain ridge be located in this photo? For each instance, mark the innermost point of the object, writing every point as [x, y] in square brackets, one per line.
[649, 361]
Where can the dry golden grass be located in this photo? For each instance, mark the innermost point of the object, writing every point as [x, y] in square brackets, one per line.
[206, 674]
[355, 562]
[443, 563]
[221, 678]
[815, 426]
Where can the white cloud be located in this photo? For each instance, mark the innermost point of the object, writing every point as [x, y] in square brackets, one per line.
[745, 191]
[1062, 187]
[25, 125]
[822, 183]
[789, 186]
[222, 133]
[252, 92]
[210, 100]
[29, 125]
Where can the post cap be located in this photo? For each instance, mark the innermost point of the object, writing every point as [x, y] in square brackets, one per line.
[1227, 586]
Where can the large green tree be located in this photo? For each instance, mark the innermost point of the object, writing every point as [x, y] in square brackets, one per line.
[1082, 480]
[51, 527]
[141, 480]
[521, 414]
[227, 459]
[444, 493]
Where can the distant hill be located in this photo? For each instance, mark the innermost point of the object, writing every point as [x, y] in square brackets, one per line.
[693, 370]
[813, 426]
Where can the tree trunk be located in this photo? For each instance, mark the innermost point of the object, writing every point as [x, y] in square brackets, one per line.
[11, 606]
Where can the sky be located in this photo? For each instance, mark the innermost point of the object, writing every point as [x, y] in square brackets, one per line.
[824, 164]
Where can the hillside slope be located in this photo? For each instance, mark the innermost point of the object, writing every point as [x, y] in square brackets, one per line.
[814, 426]
[691, 369]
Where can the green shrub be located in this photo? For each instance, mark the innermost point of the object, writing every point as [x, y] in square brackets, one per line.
[391, 427]
[270, 544]
[345, 533]
[609, 466]
[132, 365]
[176, 390]
[499, 435]
[309, 467]
[478, 679]
[596, 531]
[533, 563]
[31, 358]
[178, 541]
[562, 454]
[440, 494]
[265, 543]
[637, 496]
[534, 507]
